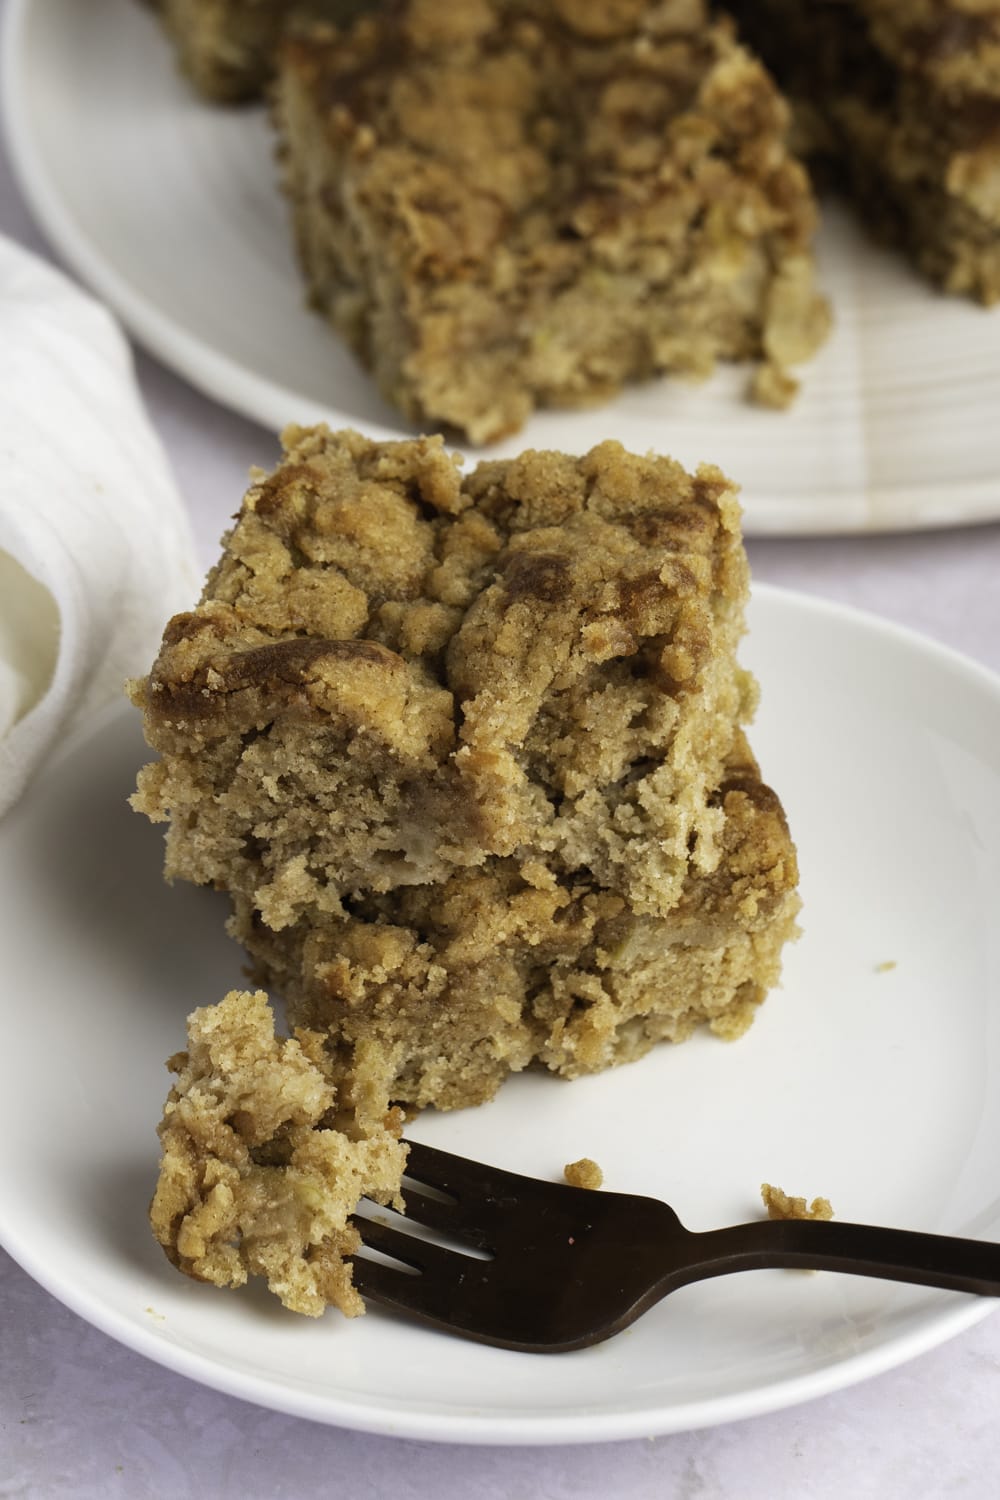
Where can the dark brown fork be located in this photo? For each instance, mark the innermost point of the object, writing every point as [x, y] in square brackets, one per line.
[568, 1267]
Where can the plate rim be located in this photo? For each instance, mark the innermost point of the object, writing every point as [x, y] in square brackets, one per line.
[199, 364]
[946, 1315]
[247, 393]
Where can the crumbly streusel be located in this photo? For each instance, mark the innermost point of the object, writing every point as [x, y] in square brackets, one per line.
[228, 48]
[262, 1165]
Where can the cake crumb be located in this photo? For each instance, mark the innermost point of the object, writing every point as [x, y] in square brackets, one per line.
[584, 1173]
[886, 966]
[780, 1205]
[773, 387]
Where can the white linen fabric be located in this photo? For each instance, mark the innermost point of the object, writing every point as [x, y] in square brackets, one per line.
[96, 550]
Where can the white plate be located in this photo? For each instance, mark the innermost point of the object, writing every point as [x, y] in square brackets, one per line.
[169, 209]
[879, 1089]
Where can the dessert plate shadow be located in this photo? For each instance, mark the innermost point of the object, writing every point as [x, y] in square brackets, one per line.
[871, 1077]
[169, 209]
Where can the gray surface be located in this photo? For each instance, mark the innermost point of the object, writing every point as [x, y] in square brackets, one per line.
[81, 1416]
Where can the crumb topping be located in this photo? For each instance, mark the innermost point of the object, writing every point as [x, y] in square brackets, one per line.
[257, 1176]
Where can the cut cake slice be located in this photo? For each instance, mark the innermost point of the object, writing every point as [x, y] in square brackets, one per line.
[508, 204]
[466, 753]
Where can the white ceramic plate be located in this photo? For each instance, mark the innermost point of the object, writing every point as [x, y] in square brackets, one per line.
[878, 1088]
[169, 209]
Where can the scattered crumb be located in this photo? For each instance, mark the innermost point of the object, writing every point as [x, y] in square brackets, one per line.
[583, 1173]
[780, 1205]
[772, 386]
[160, 1317]
[885, 966]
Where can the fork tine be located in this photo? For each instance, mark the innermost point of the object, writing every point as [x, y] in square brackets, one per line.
[452, 1302]
[423, 1255]
[465, 1295]
[450, 1218]
[458, 1175]
[384, 1283]
[568, 1267]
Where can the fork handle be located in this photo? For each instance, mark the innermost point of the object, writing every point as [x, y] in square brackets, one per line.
[939, 1260]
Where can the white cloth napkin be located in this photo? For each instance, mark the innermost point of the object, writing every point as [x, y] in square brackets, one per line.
[95, 547]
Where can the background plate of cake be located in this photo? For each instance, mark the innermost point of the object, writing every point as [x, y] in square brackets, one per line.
[869, 1076]
[522, 261]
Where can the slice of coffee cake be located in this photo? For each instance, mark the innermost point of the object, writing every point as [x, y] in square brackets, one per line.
[508, 204]
[466, 753]
[438, 992]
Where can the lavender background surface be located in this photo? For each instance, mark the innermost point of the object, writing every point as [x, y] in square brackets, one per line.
[81, 1416]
